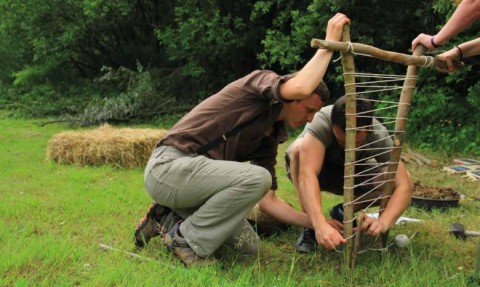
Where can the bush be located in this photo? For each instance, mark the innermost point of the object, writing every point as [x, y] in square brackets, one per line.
[442, 118]
[139, 97]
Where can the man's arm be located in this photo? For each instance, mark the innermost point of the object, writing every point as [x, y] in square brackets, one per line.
[464, 50]
[397, 204]
[308, 78]
[470, 48]
[282, 211]
[306, 161]
[466, 13]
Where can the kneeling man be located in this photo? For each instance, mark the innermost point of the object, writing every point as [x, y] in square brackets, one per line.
[315, 163]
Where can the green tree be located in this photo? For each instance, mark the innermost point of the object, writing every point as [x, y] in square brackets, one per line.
[104, 60]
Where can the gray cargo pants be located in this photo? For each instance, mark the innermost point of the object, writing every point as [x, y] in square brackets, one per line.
[214, 197]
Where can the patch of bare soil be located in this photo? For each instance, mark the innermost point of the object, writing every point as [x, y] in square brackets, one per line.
[434, 192]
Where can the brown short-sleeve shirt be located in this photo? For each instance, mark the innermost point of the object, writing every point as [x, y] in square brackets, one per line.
[256, 94]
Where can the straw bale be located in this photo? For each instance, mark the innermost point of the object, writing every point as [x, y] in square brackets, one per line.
[121, 147]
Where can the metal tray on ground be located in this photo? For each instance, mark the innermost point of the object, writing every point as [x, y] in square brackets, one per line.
[430, 203]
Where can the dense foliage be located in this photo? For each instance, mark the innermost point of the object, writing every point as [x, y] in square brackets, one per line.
[97, 60]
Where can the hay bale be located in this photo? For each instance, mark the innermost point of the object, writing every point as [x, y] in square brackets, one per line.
[124, 147]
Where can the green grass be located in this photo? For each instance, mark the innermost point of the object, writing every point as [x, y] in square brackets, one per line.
[53, 218]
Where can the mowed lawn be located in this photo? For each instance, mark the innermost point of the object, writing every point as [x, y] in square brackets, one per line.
[54, 217]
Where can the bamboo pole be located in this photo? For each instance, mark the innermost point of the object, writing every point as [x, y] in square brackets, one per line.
[405, 59]
[351, 123]
[400, 124]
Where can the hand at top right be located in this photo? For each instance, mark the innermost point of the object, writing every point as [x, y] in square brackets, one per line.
[449, 57]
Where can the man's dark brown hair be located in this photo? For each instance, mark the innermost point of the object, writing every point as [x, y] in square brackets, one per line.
[338, 113]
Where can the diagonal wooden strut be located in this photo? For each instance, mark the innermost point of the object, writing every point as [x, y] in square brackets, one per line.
[400, 125]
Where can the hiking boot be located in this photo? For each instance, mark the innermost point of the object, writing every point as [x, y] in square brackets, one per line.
[155, 222]
[306, 243]
[180, 248]
[337, 213]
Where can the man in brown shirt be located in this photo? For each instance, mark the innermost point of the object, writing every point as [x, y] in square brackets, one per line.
[198, 172]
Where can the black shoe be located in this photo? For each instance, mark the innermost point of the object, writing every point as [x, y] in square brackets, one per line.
[157, 221]
[337, 213]
[306, 243]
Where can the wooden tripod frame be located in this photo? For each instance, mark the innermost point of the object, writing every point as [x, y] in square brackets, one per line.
[413, 62]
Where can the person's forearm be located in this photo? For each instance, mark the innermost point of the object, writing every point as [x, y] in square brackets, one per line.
[306, 183]
[466, 13]
[310, 197]
[458, 53]
[308, 78]
[470, 48]
[396, 205]
[283, 212]
[300, 181]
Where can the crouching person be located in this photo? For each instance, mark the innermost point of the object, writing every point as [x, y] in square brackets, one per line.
[197, 173]
[315, 164]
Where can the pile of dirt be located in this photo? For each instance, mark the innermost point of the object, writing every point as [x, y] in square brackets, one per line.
[434, 192]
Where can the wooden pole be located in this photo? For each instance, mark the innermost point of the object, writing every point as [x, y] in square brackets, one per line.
[351, 123]
[405, 59]
[400, 124]
[358, 235]
[134, 255]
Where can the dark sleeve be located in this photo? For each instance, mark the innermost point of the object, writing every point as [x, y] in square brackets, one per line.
[266, 156]
[266, 84]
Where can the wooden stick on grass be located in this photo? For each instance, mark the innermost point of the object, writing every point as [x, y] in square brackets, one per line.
[130, 254]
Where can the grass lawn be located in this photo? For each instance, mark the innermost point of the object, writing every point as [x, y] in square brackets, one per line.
[53, 218]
